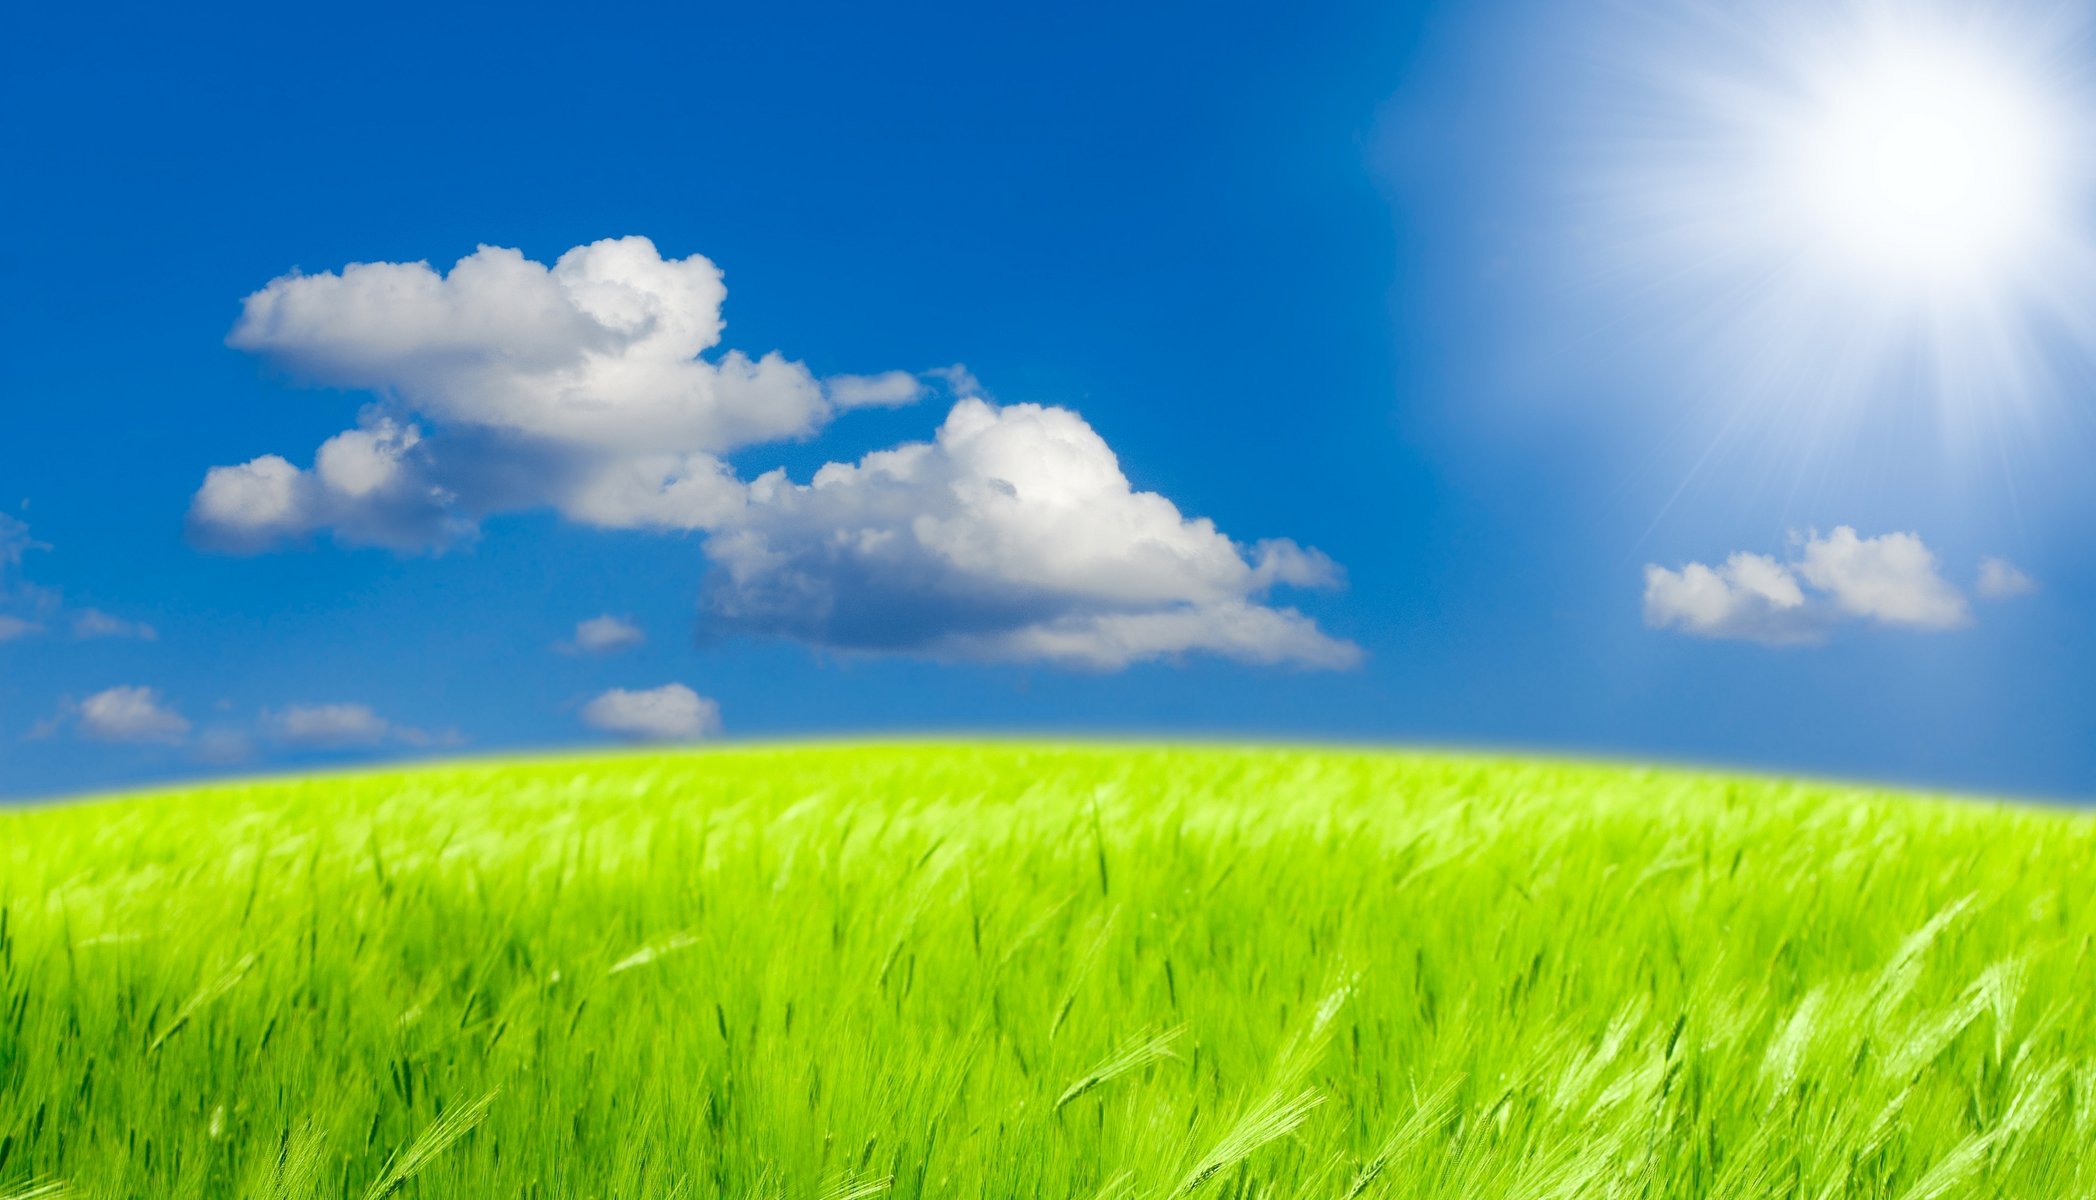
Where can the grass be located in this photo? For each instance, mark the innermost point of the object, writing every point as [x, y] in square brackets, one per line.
[1011, 971]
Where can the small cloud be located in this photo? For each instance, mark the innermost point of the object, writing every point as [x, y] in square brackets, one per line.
[2001, 579]
[1750, 597]
[248, 506]
[603, 635]
[130, 714]
[94, 623]
[889, 389]
[327, 725]
[670, 713]
[342, 727]
[12, 628]
[1891, 580]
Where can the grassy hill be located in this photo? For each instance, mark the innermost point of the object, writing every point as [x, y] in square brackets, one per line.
[1017, 971]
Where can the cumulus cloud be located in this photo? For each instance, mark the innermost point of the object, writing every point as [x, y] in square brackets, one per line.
[1749, 596]
[2001, 579]
[1892, 580]
[1013, 535]
[602, 348]
[670, 713]
[338, 727]
[604, 635]
[372, 486]
[130, 714]
[596, 387]
[572, 386]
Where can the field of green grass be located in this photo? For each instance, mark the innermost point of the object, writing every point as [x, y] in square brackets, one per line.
[820, 973]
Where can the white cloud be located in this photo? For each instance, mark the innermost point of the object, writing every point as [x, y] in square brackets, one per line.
[573, 386]
[370, 485]
[1012, 536]
[143, 715]
[507, 385]
[130, 714]
[340, 726]
[670, 713]
[890, 389]
[94, 623]
[604, 635]
[2001, 579]
[656, 491]
[12, 628]
[1749, 596]
[327, 725]
[251, 504]
[1891, 580]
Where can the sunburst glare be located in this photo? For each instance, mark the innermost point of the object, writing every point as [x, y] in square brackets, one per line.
[1858, 211]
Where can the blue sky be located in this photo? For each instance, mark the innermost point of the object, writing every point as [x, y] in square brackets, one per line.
[1360, 278]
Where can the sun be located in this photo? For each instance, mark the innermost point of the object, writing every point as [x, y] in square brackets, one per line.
[1916, 161]
[1849, 227]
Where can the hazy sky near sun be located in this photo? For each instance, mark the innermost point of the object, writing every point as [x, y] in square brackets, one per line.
[1639, 380]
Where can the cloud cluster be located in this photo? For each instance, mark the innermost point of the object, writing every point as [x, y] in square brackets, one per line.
[1749, 596]
[1893, 580]
[580, 386]
[584, 387]
[136, 714]
[670, 713]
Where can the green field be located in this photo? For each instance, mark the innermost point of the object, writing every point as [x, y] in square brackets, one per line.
[1015, 971]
